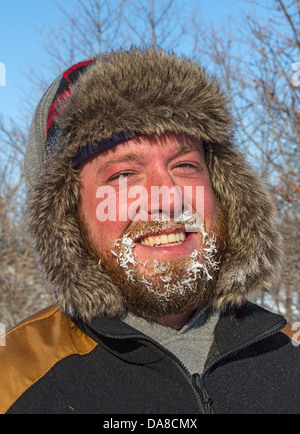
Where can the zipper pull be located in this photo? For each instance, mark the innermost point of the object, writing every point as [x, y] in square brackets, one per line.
[207, 401]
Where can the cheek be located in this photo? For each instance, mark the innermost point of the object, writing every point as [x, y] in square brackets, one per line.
[210, 206]
[102, 216]
[201, 199]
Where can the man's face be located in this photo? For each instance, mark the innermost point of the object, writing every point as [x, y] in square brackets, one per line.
[145, 240]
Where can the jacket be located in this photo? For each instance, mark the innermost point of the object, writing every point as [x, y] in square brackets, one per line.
[51, 365]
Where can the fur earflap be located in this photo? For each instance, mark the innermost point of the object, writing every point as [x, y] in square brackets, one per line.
[75, 278]
[254, 252]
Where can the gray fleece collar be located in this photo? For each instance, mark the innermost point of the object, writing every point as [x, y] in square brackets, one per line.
[190, 345]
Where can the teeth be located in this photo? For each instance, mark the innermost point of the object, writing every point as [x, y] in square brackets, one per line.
[172, 238]
[151, 241]
[164, 239]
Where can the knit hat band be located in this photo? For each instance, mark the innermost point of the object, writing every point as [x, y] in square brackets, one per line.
[91, 149]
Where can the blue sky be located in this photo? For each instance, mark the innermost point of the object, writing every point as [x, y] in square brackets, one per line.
[21, 47]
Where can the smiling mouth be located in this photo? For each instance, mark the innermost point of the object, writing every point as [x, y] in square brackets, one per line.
[166, 239]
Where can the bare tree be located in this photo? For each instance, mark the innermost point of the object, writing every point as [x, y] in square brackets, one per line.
[88, 27]
[155, 22]
[255, 57]
[20, 289]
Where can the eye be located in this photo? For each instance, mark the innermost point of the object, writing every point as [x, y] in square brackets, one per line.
[188, 165]
[185, 165]
[119, 176]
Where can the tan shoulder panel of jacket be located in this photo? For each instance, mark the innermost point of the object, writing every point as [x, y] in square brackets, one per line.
[33, 347]
[291, 332]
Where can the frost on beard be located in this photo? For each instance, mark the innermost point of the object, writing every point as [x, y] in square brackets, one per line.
[126, 257]
[171, 284]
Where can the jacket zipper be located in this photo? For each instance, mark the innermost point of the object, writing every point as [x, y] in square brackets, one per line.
[197, 381]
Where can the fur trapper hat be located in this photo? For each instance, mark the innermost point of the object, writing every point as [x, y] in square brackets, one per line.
[98, 102]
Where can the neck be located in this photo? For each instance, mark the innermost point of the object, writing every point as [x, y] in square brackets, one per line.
[176, 321]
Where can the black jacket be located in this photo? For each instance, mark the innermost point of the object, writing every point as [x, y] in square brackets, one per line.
[55, 366]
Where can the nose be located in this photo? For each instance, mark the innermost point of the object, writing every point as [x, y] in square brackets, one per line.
[164, 196]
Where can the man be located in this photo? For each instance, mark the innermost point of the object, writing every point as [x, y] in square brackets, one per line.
[152, 232]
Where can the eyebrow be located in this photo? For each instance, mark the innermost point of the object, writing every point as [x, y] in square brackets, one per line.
[137, 157]
[124, 158]
[184, 150]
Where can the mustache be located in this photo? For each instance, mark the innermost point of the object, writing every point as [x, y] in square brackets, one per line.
[187, 221]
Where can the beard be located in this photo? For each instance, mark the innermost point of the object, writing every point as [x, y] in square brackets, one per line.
[162, 287]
